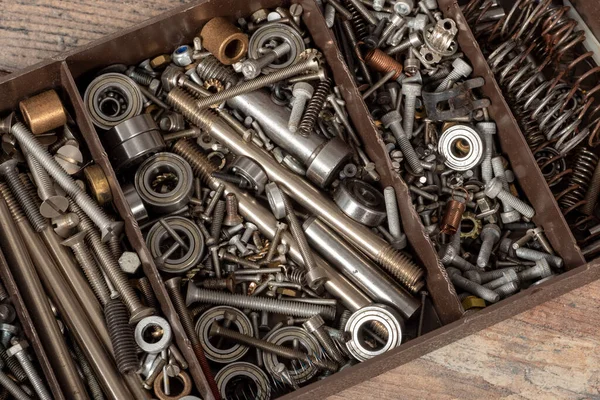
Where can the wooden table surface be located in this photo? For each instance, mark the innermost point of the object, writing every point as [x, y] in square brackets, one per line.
[551, 351]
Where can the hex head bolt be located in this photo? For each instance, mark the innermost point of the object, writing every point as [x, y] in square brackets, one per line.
[173, 287]
[487, 130]
[52, 205]
[316, 326]
[310, 65]
[392, 121]
[18, 351]
[508, 276]
[494, 189]
[279, 229]
[410, 91]
[108, 227]
[296, 309]
[510, 214]
[251, 67]
[110, 266]
[541, 270]
[508, 289]
[463, 283]
[281, 351]
[534, 255]
[460, 69]
[11, 387]
[302, 92]
[13, 365]
[490, 234]
[232, 216]
[393, 217]
[88, 265]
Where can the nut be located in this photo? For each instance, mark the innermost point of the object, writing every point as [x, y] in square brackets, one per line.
[161, 61]
[129, 262]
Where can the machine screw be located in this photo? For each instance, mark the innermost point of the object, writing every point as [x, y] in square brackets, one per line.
[394, 23]
[449, 256]
[281, 351]
[254, 316]
[316, 326]
[488, 130]
[541, 270]
[410, 91]
[217, 222]
[393, 217]
[18, 351]
[11, 387]
[494, 189]
[52, 205]
[121, 335]
[302, 93]
[486, 276]
[248, 232]
[279, 229]
[460, 69]
[538, 234]
[489, 237]
[414, 40]
[232, 217]
[508, 276]
[392, 121]
[472, 287]
[108, 227]
[213, 202]
[292, 308]
[251, 67]
[510, 214]
[534, 255]
[508, 289]
[523, 240]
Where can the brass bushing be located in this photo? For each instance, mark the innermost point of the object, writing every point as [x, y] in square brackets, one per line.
[98, 184]
[43, 112]
[224, 40]
[185, 380]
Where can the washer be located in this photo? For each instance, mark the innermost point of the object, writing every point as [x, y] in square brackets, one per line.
[161, 327]
[272, 35]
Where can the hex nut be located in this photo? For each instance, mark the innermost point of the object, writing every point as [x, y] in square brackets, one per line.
[129, 262]
[16, 348]
[183, 55]
[161, 61]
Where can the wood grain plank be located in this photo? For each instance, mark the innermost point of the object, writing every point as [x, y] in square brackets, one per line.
[551, 351]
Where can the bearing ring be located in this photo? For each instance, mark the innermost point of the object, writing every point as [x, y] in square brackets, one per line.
[361, 202]
[159, 326]
[235, 372]
[135, 203]
[217, 314]
[287, 335]
[111, 99]
[154, 172]
[183, 377]
[462, 147]
[270, 36]
[189, 235]
[383, 314]
[251, 171]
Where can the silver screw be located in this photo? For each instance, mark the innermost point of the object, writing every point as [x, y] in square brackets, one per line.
[254, 316]
[508, 276]
[316, 326]
[522, 241]
[12, 387]
[541, 270]
[108, 227]
[393, 216]
[414, 40]
[460, 69]
[392, 121]
[394, 23]
[488, 130]
[538, 234]
[472, 287]
[510, 214]
[534, 255]
[490, 235]
[279, 229]
[449, 256]
[486, 276]
[410, 91]
[18, 351]
[494, 189]
[251, 67]
[302, 92]
[250, 229]
[52, 205]
[508, 289]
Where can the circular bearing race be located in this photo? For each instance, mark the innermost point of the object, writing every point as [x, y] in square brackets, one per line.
[112, 98]
[462, 147]
[186, 384]
[271, 36]
[217, 314]
[251, 171]
[159, 327]
[165, 167]
[234, 374]
[276, 200]
[383, 314]
[361, 202]
[180, 259]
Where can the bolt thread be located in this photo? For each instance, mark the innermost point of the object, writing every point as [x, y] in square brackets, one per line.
[214, 283]
[114, 245]
[485, 251]
[410, 155]
[34, 377]
[393, 215]
[143, 285]
[274, 243]
[12, 387]
[192, 153]
[88, 373]
[255, 84]
[106, 260]
[534, 255]
[508, 199]
[173, 287]
[474, 288]
[507, 289]
[294, 309]
[269, 347]
[487, 172]
[298, 235]
[25, 199]
[217, 219]
[92, 272]
[139, 76]
[408, 118]
[314, 107]
[400, 48]
[15, 209]
[13, 365]
[453, 76]
[441, 73]
[298, 106]
[121, 336]
[344, 317]
[401, 268]
[35, 149]
[45, 186]
[211, 68]
[231, 206]
[498, 168]
[328, 345]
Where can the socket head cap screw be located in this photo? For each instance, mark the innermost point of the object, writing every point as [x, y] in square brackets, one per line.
[487, 128]
[462, 67]
[544, 267]
[492, 230]
[390, 118]
[303, 89]
[473, 276]
[403, 7]
[493, 188]
[313, 323]
[411, 89]
[276, 201]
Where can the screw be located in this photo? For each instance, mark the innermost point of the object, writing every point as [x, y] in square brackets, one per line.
[52, 205]
[310, 65]
[403, 7]
[11, 387]
[213, 202]
[393, 216]
[414, 40]
[217, 221]
[541, 270]
[392, 121]
[494, 189]
[87, 371]
[393, 24]
[88, 266]
[460, 69]
[538, 234]
[472, 287]
[509, 215]
[232, 217]
[302, 92]
[364, 12]
[508, 289]
[13, 365]
[223, 254]
[523, 240]
[108, 227]
[248, 232]
[488, 130]
[254, 316]
[284, 307]
[486, 276]
[490, 235]
[251, 67]
[279, 229]
[449, 256]
[508, 276]
[121, 335]
[281, 351]
[316, 326]
[410, 92]
[534, 255]
[18, 351]
[173, 77]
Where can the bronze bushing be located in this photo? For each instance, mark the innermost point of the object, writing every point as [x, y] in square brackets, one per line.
[43, 112]
[98, 184]
[224, 40]
[185, 380]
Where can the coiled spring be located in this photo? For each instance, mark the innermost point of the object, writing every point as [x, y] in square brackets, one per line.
[583, 168]
[315, 105]
[360, 28]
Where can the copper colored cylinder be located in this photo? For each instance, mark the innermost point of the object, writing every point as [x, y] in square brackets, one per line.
[224, 40]
[453, 217]
[381, 62]
[43, 112]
